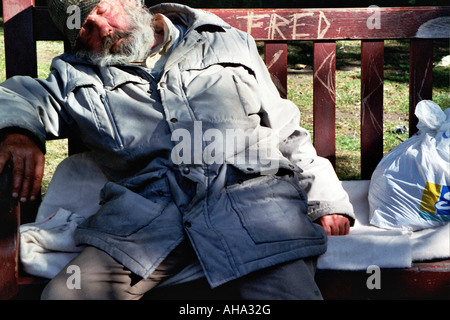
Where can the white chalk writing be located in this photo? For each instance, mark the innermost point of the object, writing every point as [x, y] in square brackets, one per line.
[290, 27]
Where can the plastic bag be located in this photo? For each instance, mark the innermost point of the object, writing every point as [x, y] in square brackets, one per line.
[409, 189]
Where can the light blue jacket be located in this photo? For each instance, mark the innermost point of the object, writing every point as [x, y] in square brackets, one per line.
[164, 145]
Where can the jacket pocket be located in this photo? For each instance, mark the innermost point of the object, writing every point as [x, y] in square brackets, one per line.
[246, 95]
[112, 121]
[220, 92]
[92, 113]
[272, 208]
[125, 211]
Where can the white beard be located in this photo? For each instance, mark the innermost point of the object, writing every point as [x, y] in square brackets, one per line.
[135, 46]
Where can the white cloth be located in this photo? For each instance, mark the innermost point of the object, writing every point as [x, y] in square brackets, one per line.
[73, 194]
[367, 245]
[47, 245]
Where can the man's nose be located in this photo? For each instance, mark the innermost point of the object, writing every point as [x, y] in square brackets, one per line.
[102, 27]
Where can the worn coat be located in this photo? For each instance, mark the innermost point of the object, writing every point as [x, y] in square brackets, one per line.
[209, 151]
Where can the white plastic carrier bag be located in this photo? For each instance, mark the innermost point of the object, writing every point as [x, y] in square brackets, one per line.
[410, 188]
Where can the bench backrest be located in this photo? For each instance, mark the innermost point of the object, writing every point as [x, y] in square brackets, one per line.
[25, 24]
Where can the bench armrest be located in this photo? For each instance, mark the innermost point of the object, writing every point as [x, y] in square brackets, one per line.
[9, 236]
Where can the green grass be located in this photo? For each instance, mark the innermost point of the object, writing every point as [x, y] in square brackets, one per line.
[348, 75]
[396, 95]
[57, 150]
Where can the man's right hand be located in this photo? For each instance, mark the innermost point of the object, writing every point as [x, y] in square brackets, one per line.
[28, 165]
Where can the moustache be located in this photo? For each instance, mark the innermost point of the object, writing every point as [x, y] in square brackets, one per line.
[111, 40]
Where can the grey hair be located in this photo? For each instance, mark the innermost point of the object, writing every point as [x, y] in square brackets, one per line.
[141, 38]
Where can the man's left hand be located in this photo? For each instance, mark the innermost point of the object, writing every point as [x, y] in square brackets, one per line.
[335, 224]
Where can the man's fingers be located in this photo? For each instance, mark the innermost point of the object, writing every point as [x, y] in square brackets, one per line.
[335, 225]
[347, 227]
[27, 180]
[32, 177]
[341, 225]
[38, 176]
[335, 229]
[18, 172]
[28, 165]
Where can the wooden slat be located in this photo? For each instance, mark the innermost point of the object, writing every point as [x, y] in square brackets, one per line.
[276, 26]
[9, 241]
[324, 99]
[372, 62]
[331, 24]
[20, 47]
[422, 280]
[45, 29]
[310, 24]
[420, 77]
[276, 61]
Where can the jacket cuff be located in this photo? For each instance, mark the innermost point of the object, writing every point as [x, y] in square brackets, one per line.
[317, 209]
[28, 133]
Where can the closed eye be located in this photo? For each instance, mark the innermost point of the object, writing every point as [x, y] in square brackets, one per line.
[102, 8]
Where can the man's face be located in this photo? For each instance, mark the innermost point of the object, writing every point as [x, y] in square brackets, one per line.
[116, 32]
[109, 22]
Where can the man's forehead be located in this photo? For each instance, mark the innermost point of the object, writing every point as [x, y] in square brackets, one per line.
[121, 3]
[104, 3]
[118, 7]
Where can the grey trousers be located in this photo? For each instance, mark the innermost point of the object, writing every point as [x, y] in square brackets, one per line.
[103, 278]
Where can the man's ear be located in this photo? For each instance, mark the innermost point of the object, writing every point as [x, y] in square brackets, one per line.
[158, 23]
[158, 26]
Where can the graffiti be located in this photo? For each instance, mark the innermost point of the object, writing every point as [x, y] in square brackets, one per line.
[290, 27]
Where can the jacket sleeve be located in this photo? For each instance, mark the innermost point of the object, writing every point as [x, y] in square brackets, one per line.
[34, 106]
[319, 180]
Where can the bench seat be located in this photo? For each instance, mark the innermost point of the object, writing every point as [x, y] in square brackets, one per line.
[24, 24]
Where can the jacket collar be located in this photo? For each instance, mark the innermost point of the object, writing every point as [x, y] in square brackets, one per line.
[192, 18]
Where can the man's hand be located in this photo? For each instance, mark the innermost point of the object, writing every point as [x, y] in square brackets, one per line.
[335, 224]
[28, 165]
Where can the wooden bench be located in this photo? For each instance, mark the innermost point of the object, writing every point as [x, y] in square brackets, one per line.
[24, 24]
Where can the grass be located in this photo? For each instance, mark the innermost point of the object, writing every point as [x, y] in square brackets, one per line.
[57, 150]
[396, 95]
[348, 75]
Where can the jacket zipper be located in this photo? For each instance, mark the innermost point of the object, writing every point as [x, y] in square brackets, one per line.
[111, 120]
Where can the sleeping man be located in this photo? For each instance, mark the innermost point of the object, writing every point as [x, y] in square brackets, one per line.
[205, 162]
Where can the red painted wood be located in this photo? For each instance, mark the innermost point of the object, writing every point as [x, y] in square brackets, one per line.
[276, 61]
[420, 77]
[423, 280]
[277, 26]
[20, 46]
[324, 99]
[330, 24]
[372, 63]
[13, 7]
[309, 24]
